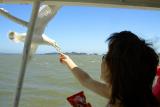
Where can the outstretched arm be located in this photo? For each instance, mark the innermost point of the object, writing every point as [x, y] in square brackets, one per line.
[98, 87]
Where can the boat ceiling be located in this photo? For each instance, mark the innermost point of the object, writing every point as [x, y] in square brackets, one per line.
[139, 4]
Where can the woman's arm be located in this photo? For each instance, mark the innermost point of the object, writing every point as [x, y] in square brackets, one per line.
[98, 87]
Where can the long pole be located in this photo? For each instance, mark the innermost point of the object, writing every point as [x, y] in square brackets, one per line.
[26, 50]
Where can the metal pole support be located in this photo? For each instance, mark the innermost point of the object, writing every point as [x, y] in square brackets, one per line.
[26, 50]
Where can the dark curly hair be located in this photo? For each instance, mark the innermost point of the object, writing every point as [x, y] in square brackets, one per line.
[132, 63]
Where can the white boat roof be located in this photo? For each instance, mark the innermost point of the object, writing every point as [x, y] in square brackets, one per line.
[140, 4]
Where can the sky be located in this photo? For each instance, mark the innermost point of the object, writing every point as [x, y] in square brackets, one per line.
[83, 28]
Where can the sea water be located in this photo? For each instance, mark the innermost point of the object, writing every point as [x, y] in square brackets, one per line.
[47, 82]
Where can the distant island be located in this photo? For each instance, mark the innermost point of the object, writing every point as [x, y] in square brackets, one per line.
[72, 53]
[53, 53]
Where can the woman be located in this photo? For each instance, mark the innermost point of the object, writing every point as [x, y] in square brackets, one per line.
[128, 70]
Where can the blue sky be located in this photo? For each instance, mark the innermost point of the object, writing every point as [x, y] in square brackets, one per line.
[83, 29]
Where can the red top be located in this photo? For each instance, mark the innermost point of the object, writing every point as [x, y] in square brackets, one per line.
[156, 88]
[158, 70]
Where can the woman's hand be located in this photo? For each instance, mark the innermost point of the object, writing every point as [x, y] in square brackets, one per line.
[65, 59]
